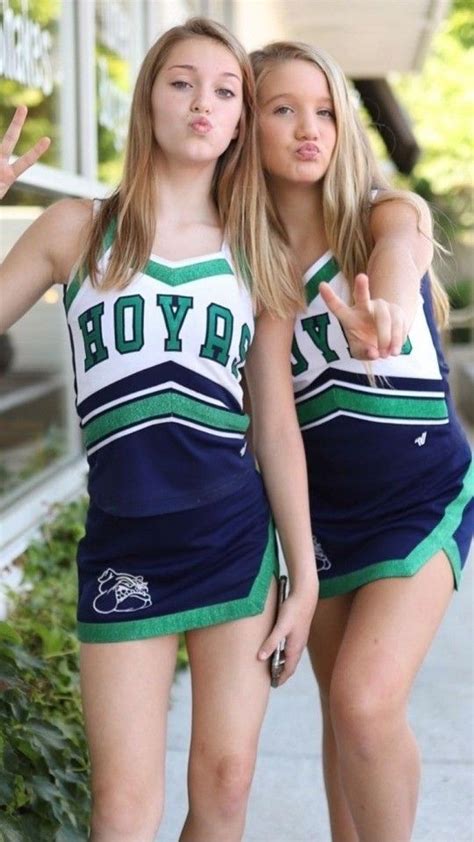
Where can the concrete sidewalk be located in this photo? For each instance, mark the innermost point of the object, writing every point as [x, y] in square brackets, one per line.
[287, 802]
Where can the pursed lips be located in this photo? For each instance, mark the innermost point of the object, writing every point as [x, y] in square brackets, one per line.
[201, 125]
[308, 151]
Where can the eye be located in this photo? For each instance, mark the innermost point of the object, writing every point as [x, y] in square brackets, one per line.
[180, 84]
[225, 93]
[283, 109]
[326, 112]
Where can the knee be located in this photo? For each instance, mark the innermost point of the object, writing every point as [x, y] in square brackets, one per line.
[228, 780]
[233, 778]
[122, 808]
[365, 716]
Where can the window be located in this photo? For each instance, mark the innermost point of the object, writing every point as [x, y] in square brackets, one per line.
[36, 70]
[38, 428]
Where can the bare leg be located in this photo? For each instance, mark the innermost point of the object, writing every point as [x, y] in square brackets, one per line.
[125, 692]
[391, 625]
[327, 632]
[230, 695]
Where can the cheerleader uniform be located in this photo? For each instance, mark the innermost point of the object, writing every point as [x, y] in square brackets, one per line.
[390, 469]
[178, 533]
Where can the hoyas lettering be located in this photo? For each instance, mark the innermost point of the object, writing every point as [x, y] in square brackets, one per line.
[317, 329]
[129, 330]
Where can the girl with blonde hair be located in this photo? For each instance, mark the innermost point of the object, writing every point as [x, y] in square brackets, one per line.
[389, 467]
[167, 301]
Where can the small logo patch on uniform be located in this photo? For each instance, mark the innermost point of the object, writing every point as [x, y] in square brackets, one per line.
[121, 592]
[322, 561]
[421, 439]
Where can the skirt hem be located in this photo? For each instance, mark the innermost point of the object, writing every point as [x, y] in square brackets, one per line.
[441, 538]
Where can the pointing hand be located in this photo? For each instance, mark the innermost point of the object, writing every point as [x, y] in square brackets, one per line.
[374, 328]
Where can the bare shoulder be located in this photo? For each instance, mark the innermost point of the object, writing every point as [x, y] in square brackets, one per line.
[68, 213]
[64, 226]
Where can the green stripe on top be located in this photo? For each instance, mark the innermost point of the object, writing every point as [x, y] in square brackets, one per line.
[376, 405]
[71, 291]
[74, 286]
[324, 273]
[175, 275]
[159, 406]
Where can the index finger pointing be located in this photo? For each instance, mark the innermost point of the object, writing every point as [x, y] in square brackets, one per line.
[332, 301]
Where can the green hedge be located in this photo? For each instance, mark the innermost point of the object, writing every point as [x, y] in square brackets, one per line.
[44, 773]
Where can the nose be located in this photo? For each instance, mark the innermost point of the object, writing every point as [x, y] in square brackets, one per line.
[200, 103]
[308, 128]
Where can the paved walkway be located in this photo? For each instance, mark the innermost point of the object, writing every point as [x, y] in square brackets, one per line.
[287, 802]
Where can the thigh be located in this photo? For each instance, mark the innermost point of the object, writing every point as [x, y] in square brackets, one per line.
[230, 686]
[391, 625]
[125, 691]
[326, 635]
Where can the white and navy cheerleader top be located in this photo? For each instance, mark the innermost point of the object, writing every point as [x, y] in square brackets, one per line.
[157, 376]
[373, 451]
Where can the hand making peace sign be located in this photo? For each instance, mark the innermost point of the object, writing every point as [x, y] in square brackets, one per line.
[10, 172]
[373, 327]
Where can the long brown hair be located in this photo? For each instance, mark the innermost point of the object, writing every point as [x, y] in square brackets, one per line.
[354, 181]
[238, 190]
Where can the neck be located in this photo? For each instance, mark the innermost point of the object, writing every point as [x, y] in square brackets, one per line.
[184, 193]
[300, 207]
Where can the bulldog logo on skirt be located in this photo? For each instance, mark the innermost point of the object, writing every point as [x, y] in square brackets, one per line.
[121, 592]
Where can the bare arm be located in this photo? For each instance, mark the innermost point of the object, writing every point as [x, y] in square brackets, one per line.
[403, 251]
[386, 300]
[280, 455]
[46, 252]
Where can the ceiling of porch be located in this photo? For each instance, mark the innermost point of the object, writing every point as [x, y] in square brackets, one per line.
[369, 38]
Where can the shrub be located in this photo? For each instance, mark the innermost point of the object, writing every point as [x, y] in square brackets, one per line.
[44, 770]
[44, 775]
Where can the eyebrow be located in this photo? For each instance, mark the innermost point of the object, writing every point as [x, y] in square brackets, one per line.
[326, 100]
[193, 67]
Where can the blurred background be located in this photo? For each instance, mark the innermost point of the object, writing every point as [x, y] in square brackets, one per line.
[74, 62]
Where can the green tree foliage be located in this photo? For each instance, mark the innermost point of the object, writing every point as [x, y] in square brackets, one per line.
[440, 102]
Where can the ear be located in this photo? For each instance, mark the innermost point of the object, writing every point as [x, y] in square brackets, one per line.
[236, 131]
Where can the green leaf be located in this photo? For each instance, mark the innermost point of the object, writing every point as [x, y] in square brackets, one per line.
[8, 633]
[27, 749]
[9, 830]
[7, 783]
[44, 788]
[49, 734]
[69, 834]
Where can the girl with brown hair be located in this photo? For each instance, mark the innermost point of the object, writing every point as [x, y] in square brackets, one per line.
[172, 294]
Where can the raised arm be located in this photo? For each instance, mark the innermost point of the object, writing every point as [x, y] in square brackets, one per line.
[280, 455]
[403, 251]
[45, 253]
[386, 299]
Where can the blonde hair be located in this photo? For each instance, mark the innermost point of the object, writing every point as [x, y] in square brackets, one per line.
[238, 189]
[353, 173]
